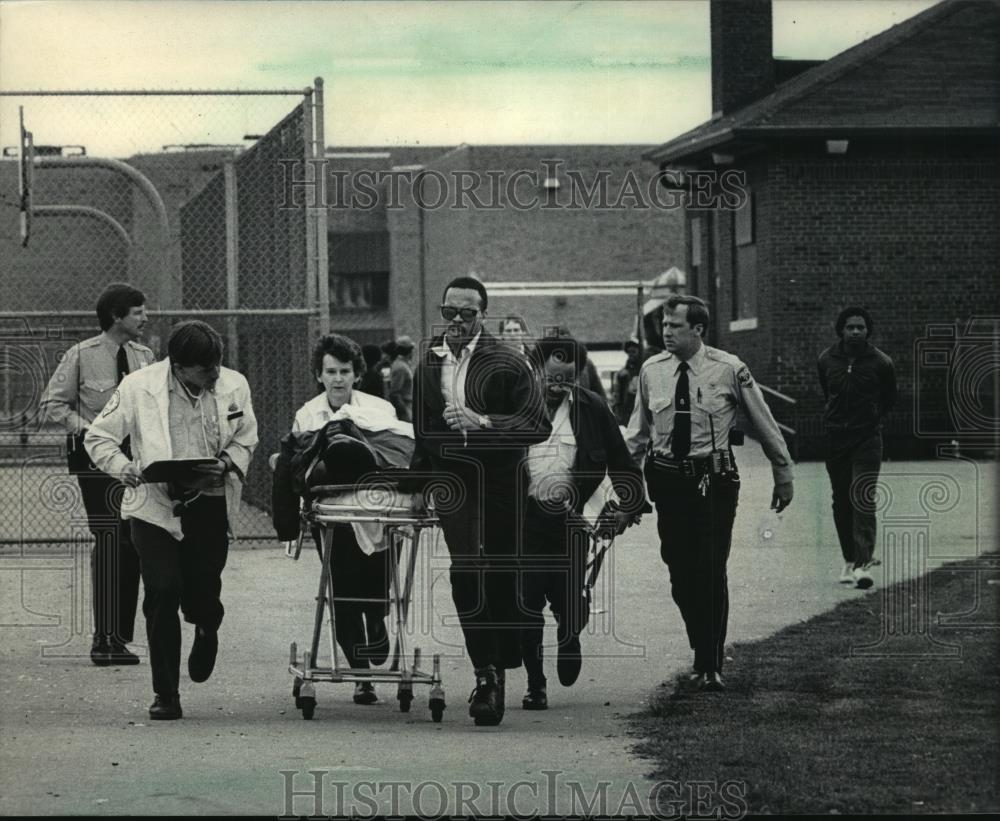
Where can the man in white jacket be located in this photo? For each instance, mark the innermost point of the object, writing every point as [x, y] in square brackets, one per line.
[186, 406]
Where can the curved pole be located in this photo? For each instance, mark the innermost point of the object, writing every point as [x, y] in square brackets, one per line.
[119, 167]
[84, 211]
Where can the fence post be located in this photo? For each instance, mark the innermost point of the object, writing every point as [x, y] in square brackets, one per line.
[232, 260]
[310, 224]
[322, 262]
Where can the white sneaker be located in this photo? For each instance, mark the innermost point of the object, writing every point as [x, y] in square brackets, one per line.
[847, 575]
[863, 577]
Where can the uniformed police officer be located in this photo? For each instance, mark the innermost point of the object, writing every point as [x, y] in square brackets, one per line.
[686, 406]
[81, 385]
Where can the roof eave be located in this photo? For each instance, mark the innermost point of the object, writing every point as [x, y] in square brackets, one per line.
[678, 152]
[677, 149]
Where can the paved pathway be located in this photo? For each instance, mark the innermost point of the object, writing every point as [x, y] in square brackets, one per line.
[77, 739]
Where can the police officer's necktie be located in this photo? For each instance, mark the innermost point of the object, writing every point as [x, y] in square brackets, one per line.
[680, 441]
[122, 362]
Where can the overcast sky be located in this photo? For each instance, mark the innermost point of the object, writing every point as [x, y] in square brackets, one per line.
[438, 73]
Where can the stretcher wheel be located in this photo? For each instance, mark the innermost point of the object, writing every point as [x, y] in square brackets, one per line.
[308, 706]
[296, 686]
[405, 700]
[437, 709]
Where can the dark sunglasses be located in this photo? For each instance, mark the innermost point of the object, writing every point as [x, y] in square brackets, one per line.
[449, 312]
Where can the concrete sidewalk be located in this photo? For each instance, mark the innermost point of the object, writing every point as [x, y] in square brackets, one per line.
[77, 739]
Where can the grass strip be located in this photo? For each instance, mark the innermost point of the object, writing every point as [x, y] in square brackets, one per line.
[890, 703]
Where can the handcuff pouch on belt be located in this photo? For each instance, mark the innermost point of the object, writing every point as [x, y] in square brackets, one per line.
[717, 463]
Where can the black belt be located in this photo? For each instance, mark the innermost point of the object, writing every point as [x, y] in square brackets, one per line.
[693, 468]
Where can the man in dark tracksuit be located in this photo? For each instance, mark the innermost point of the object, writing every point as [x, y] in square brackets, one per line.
[564, 472]
[477, 406]
[859, 386]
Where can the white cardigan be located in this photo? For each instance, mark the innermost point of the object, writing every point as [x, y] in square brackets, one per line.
[368, 413]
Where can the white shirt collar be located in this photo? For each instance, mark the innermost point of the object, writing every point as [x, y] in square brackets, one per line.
[443, 350]
[694, 363]
[175, 384]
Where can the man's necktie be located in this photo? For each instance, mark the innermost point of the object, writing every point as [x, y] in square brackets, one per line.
[122, 362]
[680, 442]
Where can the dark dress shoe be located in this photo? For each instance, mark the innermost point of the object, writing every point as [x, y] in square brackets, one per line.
[166, 708]
[100, 651]
[377, 649]
[364, 693]
[118, 653]
[712, 683]
[570, 661]
[535, 699]
[486, 704]
[201, 662]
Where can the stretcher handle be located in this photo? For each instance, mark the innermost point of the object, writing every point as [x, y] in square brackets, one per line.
[293, 547]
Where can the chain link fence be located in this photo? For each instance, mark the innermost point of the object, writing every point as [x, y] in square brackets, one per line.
[182, 195]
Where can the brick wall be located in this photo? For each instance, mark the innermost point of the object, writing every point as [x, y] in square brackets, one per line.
[430, 246]
[558, 244]
[742, 65]
[906, 230]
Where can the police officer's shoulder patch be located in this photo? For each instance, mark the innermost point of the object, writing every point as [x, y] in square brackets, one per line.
[744, 377]
[148, 357]
[655, 359]
[112, 405]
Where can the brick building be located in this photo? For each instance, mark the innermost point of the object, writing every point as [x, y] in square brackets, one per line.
[873, 178]
[523, 216]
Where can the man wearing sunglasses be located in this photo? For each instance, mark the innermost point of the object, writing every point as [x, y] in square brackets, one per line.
[477, 407]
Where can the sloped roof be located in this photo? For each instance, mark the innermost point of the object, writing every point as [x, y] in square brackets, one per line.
[937, 70]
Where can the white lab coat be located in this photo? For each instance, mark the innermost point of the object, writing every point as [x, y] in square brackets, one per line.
[139, 408]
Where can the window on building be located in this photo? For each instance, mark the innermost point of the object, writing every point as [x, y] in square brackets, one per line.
[695, 268]
[696, 242]
[745, 229]
[745, 275]
[745, 292]
[359, 270]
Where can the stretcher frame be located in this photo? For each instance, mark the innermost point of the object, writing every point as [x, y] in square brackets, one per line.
[323, 514]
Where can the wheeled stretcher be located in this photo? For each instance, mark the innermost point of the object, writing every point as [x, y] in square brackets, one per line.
[403, 528]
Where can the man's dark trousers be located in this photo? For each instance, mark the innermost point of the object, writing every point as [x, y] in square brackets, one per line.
[114, 564]
[482, 536]
[853, 464]
[695, 537]
[553, 568]
[185, 574]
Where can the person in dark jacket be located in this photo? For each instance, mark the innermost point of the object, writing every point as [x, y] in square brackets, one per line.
[588, 377]
[477, 406]
[859, 387]
[372, 382]
[626, 382]
[585, 445]
[401, 379]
